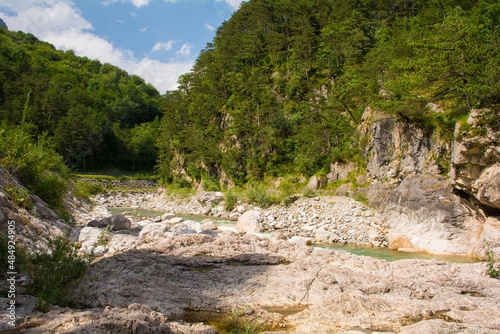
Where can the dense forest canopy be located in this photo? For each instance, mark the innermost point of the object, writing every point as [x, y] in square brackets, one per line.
[284, 84]
[96, 115]
[281, 89]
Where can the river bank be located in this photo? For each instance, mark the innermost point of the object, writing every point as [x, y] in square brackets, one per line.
[322, 219]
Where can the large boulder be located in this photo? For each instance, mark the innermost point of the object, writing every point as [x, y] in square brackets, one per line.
[209, 198]
[94, 240]
[475, 167]
[487, 186]
[250, 222]
[153, 232]
[116, 222]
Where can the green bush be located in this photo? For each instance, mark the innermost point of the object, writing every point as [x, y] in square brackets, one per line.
[230, 199]
[258, 195]
[18, 196]
[309, 193]
[52, 274]
[210, 184]
[492, 263]
[34, 162]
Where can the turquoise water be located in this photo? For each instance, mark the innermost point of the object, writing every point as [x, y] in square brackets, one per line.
[393, 255]
[375, 252]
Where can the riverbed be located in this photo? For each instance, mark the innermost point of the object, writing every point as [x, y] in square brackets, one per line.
[382, 253]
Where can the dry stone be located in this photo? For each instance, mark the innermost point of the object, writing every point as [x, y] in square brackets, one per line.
[250, 222]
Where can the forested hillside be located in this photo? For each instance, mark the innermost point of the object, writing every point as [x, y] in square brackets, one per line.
[95, 115]
[284, 84]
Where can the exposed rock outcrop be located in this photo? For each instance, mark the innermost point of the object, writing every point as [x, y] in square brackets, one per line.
[475, 163]
[423, 214]
[422, 210]
[341, 290]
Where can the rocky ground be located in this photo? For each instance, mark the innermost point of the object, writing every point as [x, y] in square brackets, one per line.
[143, 289]
[151, 275]
[324, 219]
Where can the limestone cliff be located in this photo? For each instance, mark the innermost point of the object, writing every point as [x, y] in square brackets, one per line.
[425, 207]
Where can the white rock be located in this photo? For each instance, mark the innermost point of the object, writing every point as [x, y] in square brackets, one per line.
[121, 243]
[250, 222]
[194, 225]
[153, 232]
[167, 216]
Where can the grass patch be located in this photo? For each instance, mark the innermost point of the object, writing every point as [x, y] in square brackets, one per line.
[361, 198]
[239, 324]
[146, 177]
[85, 189]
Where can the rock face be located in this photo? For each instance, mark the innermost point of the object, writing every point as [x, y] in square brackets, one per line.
[251, 222]
[423, 214]
[422, 210]
[209, 197]
[475, 163]
[135, 318]
[395, 149]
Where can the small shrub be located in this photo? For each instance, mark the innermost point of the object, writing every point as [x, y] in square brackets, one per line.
[85, 189]
[210, 184]
[51, 274]
[34, 161]
[309, 193]
[230, 200]
[361, 198]
[492, 263]
[238, 324]
[18, 196]
[258, 195]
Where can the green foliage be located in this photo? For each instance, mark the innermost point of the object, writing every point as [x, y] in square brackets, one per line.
[18, 196]
[361, 198]
[285, 83]
[492, 263]
[96, 114]
[52, 274]
[258, 194]
[309, 193]
[35, 162]
[239, 324]
[210, 184]
[230, 199]
[85, 189]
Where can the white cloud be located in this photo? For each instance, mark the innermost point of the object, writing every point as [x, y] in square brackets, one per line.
[163, 46]
[144, 29]
[233, 3]
[185, 50]
[209, 27]
[39, 20]
[140, 3]
[163, 76]
[136, 3]
[62, 24]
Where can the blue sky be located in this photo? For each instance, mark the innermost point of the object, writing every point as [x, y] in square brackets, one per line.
[158, 40]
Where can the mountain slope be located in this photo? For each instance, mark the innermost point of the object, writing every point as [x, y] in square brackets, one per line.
[96, 114]
[284, 84]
